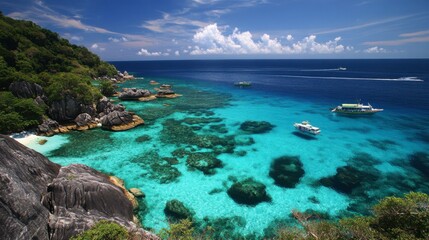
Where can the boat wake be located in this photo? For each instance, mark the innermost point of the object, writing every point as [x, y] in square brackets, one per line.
[401, 79]
[324, 69]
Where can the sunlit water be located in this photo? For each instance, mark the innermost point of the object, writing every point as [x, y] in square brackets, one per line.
[282, 93]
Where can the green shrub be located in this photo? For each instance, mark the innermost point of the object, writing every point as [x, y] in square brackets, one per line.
[107, 88]
[182, 230]
[403, 217]
[17, 114]
[104, 230]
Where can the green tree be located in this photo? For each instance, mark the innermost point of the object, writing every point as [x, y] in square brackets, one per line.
[107, 88]
[104, 230]
[403, 217]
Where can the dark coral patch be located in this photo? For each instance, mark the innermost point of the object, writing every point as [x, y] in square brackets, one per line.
[204, 161]
[420, 161]
[256, 127]
[347, 179]
[286, 171]
[175, 210]
[249, 192]
[382, 144]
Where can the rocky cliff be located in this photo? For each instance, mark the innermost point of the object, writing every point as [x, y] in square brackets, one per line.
[41, 200]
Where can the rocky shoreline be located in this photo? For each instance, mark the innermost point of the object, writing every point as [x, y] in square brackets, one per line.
[59, 202]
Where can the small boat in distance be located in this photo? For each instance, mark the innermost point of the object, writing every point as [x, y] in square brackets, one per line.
[356, 108]
[243, 84]
[342, 69]
[306, 127]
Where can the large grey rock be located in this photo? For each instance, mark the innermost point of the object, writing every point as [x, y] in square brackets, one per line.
[83, 119]
[65, 109]
[23, 89]
[80, 196]
[68, 108]
[24, 175]
[105, 106]
[47, 127]
[116, 118]
[40, 200]
[133, 93]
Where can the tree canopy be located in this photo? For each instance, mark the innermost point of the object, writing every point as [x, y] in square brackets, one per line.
[31, 53]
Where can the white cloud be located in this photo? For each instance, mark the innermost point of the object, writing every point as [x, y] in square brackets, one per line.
[177, 53]
[73, 37]
[375, 50]
[116, 40]
[172, 24]
[95, 46]
[210, 40]
[145, 52]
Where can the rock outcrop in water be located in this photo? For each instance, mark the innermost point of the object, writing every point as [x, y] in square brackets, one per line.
[249, 192]
[133, 93]
[41, 200]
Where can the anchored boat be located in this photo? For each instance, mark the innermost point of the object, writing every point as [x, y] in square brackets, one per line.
[356, 108]
[243, 84]
[306, 127]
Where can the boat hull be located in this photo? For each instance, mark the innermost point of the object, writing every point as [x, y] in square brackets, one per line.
[357, 112]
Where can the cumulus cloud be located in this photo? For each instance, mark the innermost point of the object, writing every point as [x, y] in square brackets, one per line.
[375, 50]
[210, 40]
[145, 52]
[177, 53]
[95, 46]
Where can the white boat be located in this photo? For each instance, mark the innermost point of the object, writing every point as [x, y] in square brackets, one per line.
[342, 68]
[306, 127]
[356, 108]
[243, 84]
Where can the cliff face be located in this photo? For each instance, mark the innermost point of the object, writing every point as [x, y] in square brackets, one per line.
[41, 200]
[24, 175]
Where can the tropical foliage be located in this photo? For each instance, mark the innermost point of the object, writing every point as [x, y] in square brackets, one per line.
[104, 230]
[34, 54]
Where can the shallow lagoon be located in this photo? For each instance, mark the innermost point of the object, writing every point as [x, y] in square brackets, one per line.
[376, 150]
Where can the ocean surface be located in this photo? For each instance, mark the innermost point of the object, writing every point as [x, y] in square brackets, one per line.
[351, 165]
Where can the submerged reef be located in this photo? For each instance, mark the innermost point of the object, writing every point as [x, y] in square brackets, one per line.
[157, 167]
[286, 171]
[206, 162]
[347, 179]
[175, 210]
[249, 192]
[256, 127]
[420, 161]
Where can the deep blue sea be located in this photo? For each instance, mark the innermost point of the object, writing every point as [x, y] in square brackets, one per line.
[350, 166]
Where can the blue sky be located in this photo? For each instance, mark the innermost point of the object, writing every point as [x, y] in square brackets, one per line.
[220, 29]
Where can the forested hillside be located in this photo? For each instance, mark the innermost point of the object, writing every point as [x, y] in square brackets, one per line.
[34, 55]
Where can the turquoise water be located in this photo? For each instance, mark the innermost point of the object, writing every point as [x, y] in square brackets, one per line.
[378, 146]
